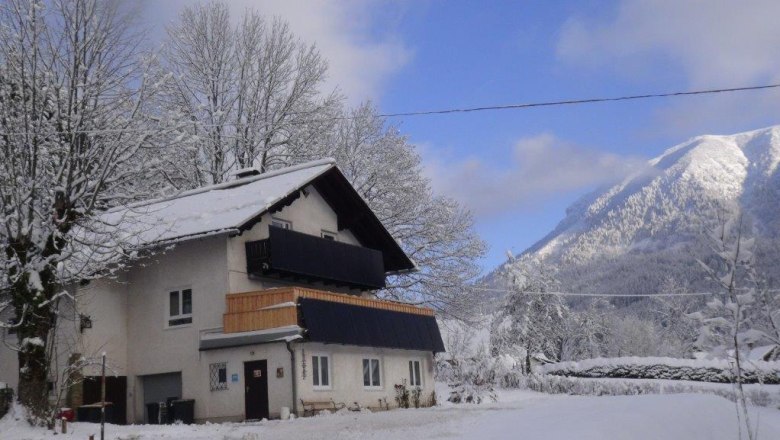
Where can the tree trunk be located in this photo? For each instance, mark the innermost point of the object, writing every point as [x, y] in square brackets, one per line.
[36, 320]
[33, 335]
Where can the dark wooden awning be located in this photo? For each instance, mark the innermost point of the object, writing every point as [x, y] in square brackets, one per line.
[339, 323]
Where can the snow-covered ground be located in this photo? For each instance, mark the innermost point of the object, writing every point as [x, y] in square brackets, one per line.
[518, 414]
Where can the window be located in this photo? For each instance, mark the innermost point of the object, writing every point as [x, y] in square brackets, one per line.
[415, 379]
[279, 223]
[320, 368]
[218, 376]
[371, 373]
[180, 310]
[327, 235]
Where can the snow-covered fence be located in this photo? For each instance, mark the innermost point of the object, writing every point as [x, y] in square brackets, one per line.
[709, 370]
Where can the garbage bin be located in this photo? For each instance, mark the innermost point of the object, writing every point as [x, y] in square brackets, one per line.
[183, 410]
[153, 413]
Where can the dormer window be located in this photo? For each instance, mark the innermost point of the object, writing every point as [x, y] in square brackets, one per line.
[279, 223]
[327, 235]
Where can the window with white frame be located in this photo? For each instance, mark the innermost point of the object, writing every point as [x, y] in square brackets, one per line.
[327, 235]
[180, 307]
[371, 373]
[320, 369]
[218, 376]
[279, 223]
[415, 379]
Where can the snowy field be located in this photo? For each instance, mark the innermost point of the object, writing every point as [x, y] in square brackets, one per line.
[518, 414]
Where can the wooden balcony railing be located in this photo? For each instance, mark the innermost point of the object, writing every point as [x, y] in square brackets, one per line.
[274, 308]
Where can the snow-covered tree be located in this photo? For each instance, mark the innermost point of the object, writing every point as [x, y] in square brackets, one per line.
[248, 94]
[74, 125]
[588, 330]
[534, 319]
[732, 320]
[671, 314]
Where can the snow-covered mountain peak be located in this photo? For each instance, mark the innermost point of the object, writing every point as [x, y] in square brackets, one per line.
[669, 204]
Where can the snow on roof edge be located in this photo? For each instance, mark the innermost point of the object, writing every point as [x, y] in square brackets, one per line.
[230, 184]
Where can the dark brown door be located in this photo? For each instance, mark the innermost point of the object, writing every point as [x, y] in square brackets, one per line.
[256, 390]
[116, 393]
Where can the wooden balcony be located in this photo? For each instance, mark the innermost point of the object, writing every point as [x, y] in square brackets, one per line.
[274, 308]
[294, 255]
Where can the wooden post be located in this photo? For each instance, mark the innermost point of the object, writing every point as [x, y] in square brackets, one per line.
[64, 425]
[103, 398]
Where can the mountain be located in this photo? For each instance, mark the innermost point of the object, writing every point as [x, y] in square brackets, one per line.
[650, 228]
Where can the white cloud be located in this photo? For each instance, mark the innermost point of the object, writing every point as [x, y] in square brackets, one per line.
[715, 42]
[541, 166]
[711, 43]
[356, 37]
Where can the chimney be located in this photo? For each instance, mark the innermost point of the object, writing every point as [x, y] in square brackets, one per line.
[246, 172]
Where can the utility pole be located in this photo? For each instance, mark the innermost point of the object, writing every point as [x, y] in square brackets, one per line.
[103, 397]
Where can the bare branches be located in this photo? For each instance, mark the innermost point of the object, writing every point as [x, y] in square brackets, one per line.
[250, 92]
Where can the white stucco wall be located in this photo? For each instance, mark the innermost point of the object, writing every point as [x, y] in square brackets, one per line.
[105, 302]
[153, 347]
[228, 404]
[346, 376]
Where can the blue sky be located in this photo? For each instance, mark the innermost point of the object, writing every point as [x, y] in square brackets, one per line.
[518, 170]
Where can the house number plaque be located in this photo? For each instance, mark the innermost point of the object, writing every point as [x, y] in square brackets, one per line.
[257, 373]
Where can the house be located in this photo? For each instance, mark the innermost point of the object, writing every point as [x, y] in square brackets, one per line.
[261, 296]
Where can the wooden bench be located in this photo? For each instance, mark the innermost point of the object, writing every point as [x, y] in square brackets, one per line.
[311, 407]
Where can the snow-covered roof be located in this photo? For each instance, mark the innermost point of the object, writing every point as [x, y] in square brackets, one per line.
[213, 209]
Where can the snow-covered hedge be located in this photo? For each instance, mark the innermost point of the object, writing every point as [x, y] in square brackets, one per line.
[703, 370]
[616, 387]
[610, 387]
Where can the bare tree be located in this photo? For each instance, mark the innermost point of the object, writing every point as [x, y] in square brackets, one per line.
[249, 94]
[74, 122]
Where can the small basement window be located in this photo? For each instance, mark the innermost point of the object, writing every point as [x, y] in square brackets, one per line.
[279, 223]
[218, 376]
[320, 368]
[180, 308]
[327, 235]
[415, 379]
[371, 375]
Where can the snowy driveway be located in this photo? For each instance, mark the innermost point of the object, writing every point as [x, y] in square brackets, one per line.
[519, 415]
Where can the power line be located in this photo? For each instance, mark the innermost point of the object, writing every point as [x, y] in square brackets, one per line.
[609, 295]
[519, 106]
[579, 101]
[603, 295]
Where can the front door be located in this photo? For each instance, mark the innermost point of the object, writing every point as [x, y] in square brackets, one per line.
[256, 390]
